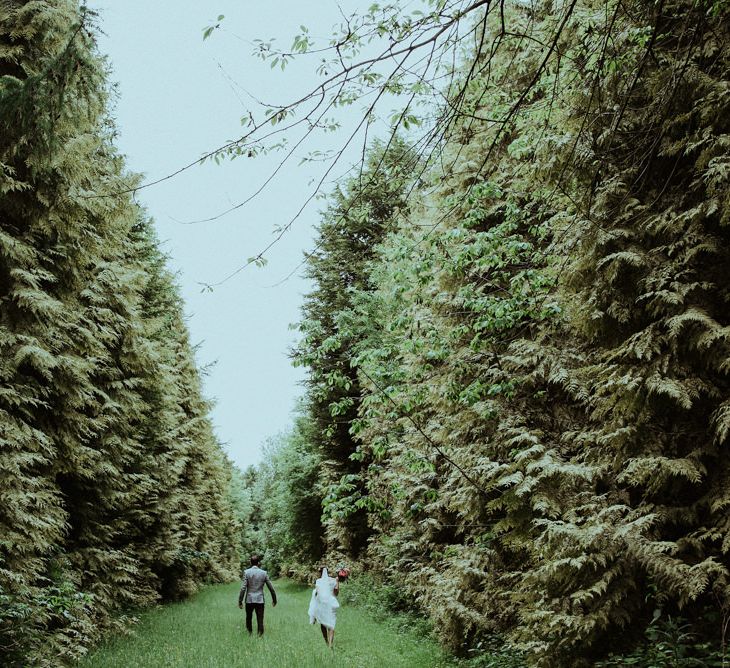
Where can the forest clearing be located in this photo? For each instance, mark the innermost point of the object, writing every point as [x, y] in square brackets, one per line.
[207, 631]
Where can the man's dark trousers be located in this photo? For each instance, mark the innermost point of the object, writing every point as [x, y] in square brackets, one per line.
[259, 608]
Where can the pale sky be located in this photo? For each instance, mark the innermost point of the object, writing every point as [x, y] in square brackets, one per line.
[177, 103]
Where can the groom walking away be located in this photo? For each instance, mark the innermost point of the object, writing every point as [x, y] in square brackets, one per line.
[252, 590]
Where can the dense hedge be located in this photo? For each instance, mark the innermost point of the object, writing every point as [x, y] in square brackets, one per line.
[532, 365]
[113, 489]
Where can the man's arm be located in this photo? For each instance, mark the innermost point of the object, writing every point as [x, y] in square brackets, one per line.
[242, 593]
[271, 590]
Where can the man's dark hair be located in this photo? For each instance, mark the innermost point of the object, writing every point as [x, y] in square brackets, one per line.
[255, 560]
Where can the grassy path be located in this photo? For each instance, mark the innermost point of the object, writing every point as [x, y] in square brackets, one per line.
[208, 632]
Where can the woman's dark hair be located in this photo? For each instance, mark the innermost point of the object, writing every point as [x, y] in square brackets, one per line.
[255, 560]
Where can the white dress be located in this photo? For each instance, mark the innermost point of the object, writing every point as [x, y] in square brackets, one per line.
[323, 604]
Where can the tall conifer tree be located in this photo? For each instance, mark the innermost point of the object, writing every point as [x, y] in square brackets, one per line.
[353, 225]
[113, 486]
[542, 344]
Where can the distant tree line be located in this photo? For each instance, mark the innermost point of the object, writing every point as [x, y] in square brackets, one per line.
[518, 345]
[114, 492]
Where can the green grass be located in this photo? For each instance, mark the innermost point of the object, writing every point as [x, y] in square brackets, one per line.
[208, 631]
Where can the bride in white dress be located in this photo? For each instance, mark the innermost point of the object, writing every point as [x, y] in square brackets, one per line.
[323, 605]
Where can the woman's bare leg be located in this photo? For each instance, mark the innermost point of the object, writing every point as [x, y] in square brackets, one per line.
[331, 637]
[325, 633]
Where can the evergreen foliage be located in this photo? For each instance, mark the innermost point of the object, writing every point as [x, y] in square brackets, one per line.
[518, 406]
[358, 217]
[114, 489]
[530, 373]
